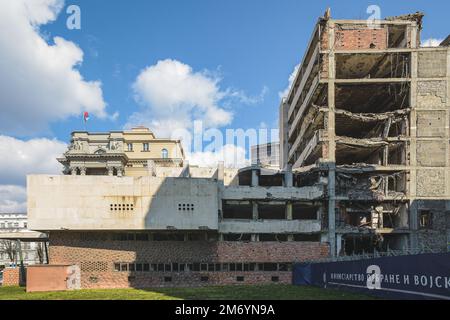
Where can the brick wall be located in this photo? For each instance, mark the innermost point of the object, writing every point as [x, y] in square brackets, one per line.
[361, 38]
[11, 277]
[96, 259]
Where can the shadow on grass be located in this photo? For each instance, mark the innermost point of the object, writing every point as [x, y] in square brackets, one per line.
[265, 292]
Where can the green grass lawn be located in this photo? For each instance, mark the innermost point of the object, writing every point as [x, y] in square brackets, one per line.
[276, 292]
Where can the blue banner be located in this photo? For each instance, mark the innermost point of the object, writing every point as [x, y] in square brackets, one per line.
[425, 276]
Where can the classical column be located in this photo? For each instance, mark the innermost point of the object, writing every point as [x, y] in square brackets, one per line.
[83, 171]
[73, 171]
[119, 171]
[110, 171]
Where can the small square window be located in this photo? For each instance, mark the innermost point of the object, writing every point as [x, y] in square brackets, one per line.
[275, 279]
[167, 279]
[204, 279]
[146, 267]
[116, 266]
[239, 278]
[131, 267]
[124, 267]
[145, 147]
[139, 267]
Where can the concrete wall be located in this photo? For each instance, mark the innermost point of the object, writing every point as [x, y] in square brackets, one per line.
[269, 226]
[125, 203]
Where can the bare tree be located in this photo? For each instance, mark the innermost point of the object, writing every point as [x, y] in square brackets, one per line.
[40, 252]
[10, 248]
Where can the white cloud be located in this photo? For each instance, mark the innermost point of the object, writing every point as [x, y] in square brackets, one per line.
[13, 199]
[173, 96]
[40, 82]
[20, 158]
[431, 42]
[232, 156]
[285, 92]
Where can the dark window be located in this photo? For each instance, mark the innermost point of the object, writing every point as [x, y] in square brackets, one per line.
[211, 267]
[175, 267]
[116, 266]
[270, 267]
[240, 278]
[146, 267]
[167, 279]
[275, 279]
[131, 267]
[130, 236]
[124, 267]
[167, 268]
[138, 266]
[203, 267]
[204, 279]
[142, 237]
[161, 267]
[218, 267]
[196, 267]
[426, 219]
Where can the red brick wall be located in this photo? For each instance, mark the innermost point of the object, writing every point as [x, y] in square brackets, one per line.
[11, 277]
[97, 257]
[361, 39]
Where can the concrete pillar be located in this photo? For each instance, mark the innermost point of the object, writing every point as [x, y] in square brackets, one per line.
[331, 209]
[289, 211]
[255, 210]
[186, 173]
[288, 177]
[254, 238]
[338, 244]
[255, 178]
[220, 171]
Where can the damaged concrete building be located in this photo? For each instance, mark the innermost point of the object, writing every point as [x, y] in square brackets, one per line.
[364, 153]
[368, 115]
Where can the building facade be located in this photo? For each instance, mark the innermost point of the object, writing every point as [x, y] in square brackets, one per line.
[120, 153]
[178, 226]
[32, 252]
[369, 113]
[364, 153]
[267, 155]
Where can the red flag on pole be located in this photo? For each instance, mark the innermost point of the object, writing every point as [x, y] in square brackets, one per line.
[86, 116]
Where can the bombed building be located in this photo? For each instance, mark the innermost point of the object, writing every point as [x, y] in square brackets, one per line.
[368, 113]
[364, 167]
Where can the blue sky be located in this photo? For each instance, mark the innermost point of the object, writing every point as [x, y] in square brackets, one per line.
[158, 63]
[253, 44]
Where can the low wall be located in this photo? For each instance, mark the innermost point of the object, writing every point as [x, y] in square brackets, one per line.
[52, 278]
[424, 276]
[11, 277]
